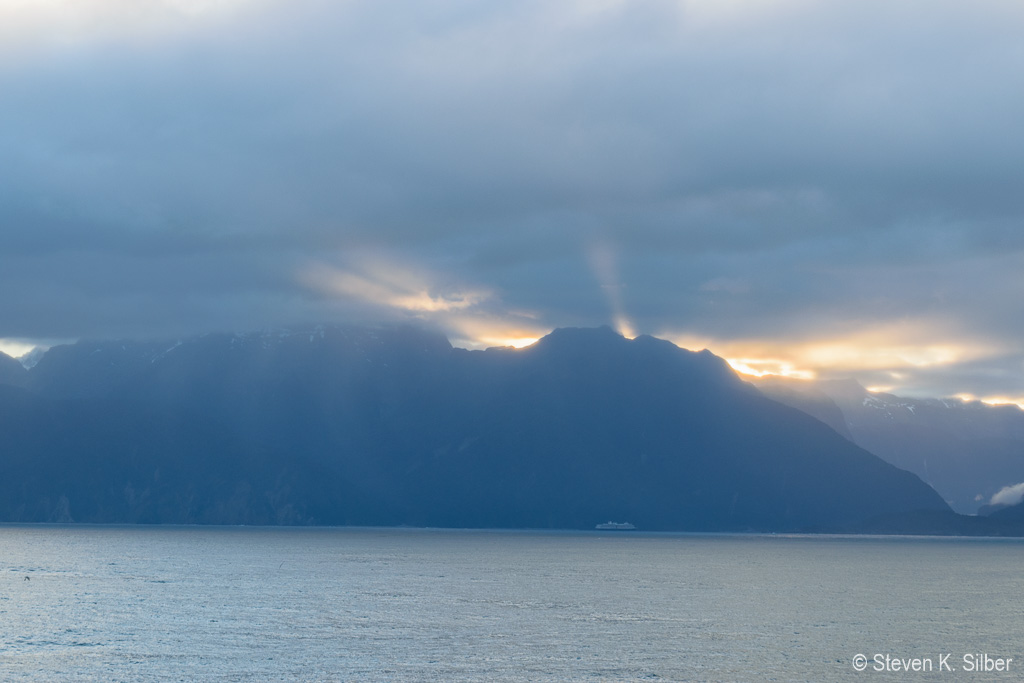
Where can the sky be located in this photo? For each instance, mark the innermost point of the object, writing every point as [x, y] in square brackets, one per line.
[818, 189]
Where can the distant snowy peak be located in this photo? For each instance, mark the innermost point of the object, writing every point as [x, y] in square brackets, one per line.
[967, 450]
[30, 359]
[892, 405]
[849, 392]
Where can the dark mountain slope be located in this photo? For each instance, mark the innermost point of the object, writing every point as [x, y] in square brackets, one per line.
[804, 396]
[966, 450]
[393, 426]
[11, 371]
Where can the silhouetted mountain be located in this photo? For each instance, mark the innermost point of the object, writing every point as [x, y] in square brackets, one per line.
[394, 426]
[807, 397]
[11, 371]
[1008, 514]
[966, 450]
[91, 368]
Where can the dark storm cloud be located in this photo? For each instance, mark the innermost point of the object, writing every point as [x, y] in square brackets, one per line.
[754, 170]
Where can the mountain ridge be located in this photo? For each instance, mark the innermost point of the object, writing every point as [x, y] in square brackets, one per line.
[389, 426]
[966, 450]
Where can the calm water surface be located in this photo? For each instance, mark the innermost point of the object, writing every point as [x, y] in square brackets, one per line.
[230, 604]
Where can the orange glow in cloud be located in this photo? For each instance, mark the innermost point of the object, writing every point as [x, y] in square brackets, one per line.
[397, 287]
[759, 367]
[992, 400]
[1003, 401]
[892, 347]
[520, 342]
[862, 354]
[389, 285]
[474, 318]
[480, 331]
[496, 339]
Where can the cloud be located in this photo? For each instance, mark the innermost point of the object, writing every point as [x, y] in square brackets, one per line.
[913, 357]
[44, 29]
[825, 185]
[390, 286]
[1008, 495]
[16, 348]
[472, 317]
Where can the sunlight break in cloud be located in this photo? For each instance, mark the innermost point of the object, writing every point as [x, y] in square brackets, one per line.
[388, 285]
[992, 400]
[21, 348]
[889, 348]
[813, 170]
[458, 311]
[483, 330]
[759, 367]
[15, 347]
[1004, 401]
[603, 263]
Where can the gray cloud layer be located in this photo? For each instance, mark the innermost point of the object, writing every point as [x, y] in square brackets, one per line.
[782, 171]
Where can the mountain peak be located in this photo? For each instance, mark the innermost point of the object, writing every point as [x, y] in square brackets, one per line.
[582, 335]
[389, 426]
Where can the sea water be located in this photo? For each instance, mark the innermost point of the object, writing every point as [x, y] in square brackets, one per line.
[283, 604]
